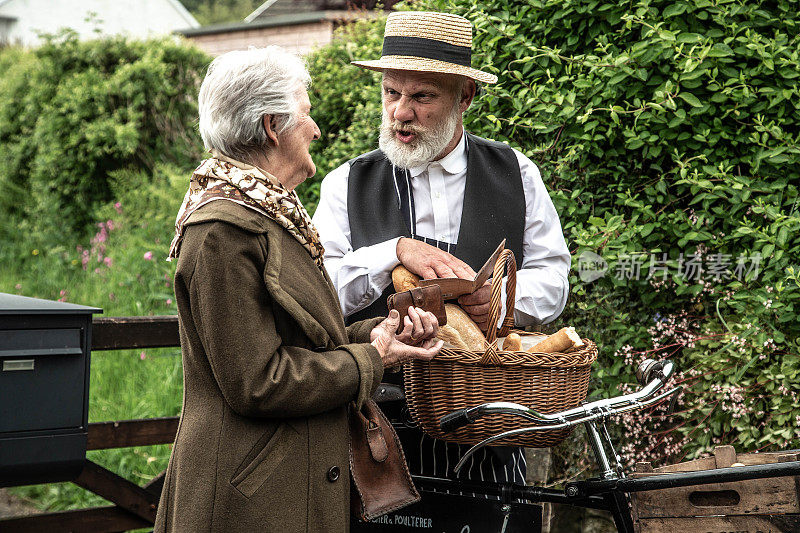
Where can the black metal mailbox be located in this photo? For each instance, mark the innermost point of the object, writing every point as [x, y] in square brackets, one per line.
[44, 389]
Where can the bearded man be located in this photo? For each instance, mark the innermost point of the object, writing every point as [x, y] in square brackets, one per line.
[439, 201]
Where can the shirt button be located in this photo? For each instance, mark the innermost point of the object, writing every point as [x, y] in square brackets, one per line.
[438, 195]
[333, 474]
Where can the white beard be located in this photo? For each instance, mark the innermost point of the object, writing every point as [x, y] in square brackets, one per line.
[429, 142]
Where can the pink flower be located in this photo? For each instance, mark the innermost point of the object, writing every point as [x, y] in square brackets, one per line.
[118, 207]
[143, 356]
[18, 286]
[169, 301]
[108, 261]
[148, 256]
[110, 225]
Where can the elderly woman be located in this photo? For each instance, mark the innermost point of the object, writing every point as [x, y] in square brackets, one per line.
[269, 366]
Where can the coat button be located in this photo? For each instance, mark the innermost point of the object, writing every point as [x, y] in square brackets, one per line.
[333, 474]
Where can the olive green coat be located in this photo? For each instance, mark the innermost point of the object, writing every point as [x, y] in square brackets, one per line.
[269, 368]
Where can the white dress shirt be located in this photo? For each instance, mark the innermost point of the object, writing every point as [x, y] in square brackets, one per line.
[360, 276]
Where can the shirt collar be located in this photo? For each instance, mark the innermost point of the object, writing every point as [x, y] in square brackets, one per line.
[453, 163]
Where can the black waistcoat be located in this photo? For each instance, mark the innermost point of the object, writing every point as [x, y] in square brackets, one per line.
[494, 207]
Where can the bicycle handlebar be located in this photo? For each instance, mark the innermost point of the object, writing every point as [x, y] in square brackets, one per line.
[658, 372]
[453, 421]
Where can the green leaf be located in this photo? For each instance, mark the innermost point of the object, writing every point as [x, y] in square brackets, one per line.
[720, 50]
[690, 99]
[673, 9]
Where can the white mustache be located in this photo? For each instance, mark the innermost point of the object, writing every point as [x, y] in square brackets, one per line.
[410, 128]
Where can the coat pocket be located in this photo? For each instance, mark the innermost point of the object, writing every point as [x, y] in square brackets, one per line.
[255, 473]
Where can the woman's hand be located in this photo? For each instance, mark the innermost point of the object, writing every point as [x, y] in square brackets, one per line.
[419, 326]
[416, 341]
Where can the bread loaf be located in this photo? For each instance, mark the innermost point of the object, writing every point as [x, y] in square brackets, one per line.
[403, 279]
[449, 335]
[513, 343]
[564, 340]
[469, 331]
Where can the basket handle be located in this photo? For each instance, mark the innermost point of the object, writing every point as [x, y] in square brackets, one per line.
[505, 261]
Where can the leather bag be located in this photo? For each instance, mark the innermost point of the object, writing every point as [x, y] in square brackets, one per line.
[427, 298]
[380, 480]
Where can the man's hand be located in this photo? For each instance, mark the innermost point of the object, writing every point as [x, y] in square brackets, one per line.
[477, 305]
[428, 261]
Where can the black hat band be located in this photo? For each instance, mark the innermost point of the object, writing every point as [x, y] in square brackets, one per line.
[427, 48]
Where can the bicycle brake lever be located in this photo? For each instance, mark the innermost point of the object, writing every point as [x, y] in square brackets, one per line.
[673, 401]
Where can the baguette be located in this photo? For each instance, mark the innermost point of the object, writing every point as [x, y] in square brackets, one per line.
[513, 343]
[403, 279]
[564, 340]
[469, 331]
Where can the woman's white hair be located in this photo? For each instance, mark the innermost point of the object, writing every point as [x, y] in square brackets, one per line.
[241, 87]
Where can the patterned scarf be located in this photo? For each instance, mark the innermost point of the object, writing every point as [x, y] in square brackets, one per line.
[221, 178]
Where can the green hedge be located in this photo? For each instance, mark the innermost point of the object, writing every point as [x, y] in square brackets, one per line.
[661, 127]
[73, 112]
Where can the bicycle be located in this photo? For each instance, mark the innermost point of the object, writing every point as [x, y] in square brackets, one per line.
[609, 492]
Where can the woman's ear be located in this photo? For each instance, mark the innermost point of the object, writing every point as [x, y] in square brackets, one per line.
[270, 128]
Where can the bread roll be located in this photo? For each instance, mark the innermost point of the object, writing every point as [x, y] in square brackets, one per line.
[449, 335]
[513, 343]
[469, 331]
[562, 341]
[403, 279]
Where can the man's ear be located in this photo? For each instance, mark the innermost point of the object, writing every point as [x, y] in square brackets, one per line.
[467, 95]
[270, 128]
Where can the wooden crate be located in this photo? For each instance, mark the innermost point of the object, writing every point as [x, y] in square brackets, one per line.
[757, 505]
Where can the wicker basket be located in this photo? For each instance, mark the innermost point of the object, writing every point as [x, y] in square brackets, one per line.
[457, 378]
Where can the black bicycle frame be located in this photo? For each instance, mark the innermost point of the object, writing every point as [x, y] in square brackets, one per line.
[609, 495]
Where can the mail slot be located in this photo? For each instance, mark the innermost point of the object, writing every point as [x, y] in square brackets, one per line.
[44, 389]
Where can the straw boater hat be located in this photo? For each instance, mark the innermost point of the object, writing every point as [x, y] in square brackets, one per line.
[428, 42]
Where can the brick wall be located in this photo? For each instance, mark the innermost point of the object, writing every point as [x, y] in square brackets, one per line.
[301, 38]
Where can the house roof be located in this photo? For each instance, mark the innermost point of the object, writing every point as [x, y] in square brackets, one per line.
[180, 8]
[271, 8]
[176, 4]
[276, 20]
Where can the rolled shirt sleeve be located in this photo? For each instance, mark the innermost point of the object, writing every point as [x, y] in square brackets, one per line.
[543, 276]
[360, 276]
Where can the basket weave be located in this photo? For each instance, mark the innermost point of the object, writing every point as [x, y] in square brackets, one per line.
[457, 379]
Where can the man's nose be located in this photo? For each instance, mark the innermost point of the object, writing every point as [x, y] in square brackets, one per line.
[317, 132]
[404, 109]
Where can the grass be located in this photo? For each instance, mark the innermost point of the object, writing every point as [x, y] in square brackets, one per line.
[121, 269]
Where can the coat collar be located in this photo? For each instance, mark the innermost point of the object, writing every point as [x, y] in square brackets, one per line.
[291, 277]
